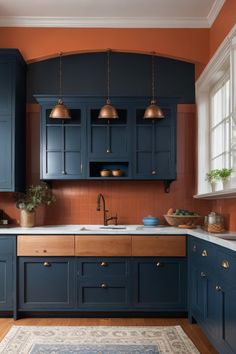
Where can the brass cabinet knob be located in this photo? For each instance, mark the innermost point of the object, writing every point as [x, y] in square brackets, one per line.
[204, 253]
[225, 264]
[218, 288]
[203, 275]
[103, 285]
[46, 264]
[104, 264]
[194, 248]
[153, 172]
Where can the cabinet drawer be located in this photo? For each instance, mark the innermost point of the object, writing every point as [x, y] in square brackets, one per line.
[173, 246]
[103, 294]
[203, 253]
[45, 245]
[103, 246]
[103, 268]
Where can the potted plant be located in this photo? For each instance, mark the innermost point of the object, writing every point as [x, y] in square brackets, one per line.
[213, 177]
[28, 202]
[225, 174]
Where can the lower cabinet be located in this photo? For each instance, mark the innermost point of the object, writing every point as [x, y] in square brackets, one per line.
[46, 283]
[160, 283]
[212, 279]
[7, 265]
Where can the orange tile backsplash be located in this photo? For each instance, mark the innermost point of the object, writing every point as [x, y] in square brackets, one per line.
[131, 200]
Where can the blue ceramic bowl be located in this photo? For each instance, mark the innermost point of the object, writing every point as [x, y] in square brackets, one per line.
[150, 221]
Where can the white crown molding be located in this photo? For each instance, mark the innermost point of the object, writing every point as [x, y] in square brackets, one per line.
[103, 22]
[217, 61]
[214, 12]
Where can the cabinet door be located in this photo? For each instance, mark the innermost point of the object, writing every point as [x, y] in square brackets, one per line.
[160, 283]
[228, 295]
[7, 262]
[62, 150]
[155, 146]
[108, 138]
[46, 283]
[198, 289]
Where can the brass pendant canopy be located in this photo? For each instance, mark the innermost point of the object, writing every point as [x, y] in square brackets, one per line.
[153, 111]
[108, 111]
[60, 111]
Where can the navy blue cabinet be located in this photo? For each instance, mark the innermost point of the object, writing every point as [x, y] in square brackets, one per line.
[160, 283]
[62, 143]
[12, 120]
[104, 283]
[7, 266]
[155, 145]
[85, 145]
[212, 274]
[46, 283]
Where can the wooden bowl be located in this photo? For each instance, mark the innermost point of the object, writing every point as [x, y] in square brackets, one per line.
[176, 220]
[105, 173]
[117, 173]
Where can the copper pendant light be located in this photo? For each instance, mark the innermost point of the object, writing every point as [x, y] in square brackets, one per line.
[60, 111]
[153, 111]
[108, 111]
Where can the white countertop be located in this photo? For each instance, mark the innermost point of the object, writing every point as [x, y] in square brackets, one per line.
[122, 230]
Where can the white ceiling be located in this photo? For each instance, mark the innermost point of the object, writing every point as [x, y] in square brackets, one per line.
[110, 13]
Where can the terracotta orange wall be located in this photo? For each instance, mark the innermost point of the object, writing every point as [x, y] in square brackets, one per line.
[222, 25]
[36, 43]
[131, 200]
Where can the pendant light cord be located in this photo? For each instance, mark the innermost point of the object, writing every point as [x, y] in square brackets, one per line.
[108, 74]
[60, 76]
[153, 76]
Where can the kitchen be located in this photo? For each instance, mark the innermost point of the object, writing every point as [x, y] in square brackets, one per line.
[85, 51]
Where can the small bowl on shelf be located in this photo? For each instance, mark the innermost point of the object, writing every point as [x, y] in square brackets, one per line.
[150, 221]
[105, 173]
[117, 173]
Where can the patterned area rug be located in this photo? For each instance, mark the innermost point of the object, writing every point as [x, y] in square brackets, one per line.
[96, 340]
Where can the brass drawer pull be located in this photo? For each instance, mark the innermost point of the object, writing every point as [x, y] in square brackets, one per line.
[104, 264]
[225, 264]
[218, 288]
[46, 264]
[203, 275]
[103, 285]
[204, 253]
[158, 264]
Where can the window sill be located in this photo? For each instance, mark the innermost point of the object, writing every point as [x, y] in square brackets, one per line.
[222, 194]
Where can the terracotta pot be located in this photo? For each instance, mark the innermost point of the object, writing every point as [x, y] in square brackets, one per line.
[27, 218]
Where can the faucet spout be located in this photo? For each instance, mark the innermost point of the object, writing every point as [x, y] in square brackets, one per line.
[100, 198]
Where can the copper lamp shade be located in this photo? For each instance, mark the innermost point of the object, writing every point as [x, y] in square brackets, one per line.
[60, 111]
[153, 111]
[108, 111]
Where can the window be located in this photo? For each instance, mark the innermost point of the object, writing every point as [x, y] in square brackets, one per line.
[216, 114]
[220, 125]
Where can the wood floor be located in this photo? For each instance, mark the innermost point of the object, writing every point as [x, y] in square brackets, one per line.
[192, 330]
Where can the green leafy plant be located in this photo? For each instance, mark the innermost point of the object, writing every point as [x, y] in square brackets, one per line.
[34, 196]
[225, 173]
[213, 176]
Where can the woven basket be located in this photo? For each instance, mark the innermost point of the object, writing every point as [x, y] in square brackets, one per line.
[176, 220]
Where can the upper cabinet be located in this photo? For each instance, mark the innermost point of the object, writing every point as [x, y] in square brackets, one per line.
[83, 146]
[12, 120]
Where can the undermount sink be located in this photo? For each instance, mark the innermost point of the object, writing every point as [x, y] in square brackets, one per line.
[100, 228]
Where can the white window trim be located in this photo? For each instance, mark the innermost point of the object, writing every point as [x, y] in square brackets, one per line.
[224, 57]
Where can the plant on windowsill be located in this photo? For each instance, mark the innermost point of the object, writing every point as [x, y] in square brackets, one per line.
[213, 177]
[28, 202]
[225, 174]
